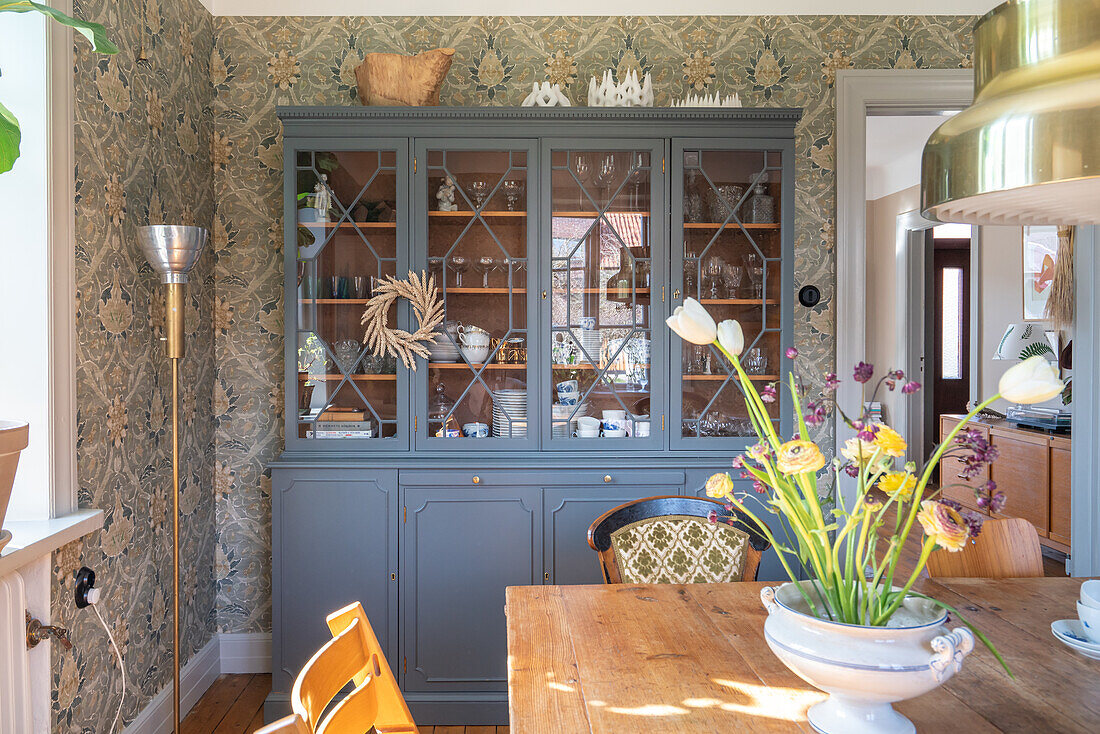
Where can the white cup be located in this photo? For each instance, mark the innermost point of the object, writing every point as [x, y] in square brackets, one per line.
[614, 415]
[587, 433]
[1090, 621]
[641, 429]
[615, 433]
[1090, 593]
[588, 423]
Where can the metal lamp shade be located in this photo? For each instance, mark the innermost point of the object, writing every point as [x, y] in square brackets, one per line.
[172, 249]
[1026, 152]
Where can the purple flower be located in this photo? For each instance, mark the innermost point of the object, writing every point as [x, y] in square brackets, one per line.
[768, 394]
[988, 498]
[864, 372]
[712, 516]
[890, 385]
[898, 375]
[738, 462]
[791, 352]
[759, 486]
[831, 383]
[867, 433]
[981, 452]
[973, 523]
[910, 387]
[852, 470]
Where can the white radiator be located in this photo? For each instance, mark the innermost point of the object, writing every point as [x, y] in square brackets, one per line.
[15, 690]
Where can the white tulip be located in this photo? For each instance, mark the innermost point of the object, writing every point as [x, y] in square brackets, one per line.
[692, 323]
[1031, 381]
[731, 337]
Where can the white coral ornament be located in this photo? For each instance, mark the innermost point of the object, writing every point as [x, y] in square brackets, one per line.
[710, 100]
[631, 93]
[545, 95]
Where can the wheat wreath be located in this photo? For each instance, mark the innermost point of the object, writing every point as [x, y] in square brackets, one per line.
[420, 291]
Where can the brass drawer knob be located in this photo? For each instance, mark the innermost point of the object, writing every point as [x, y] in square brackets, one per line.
[607, 477]
[477, 480]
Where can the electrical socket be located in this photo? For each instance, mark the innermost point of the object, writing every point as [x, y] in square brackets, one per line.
[86, 593]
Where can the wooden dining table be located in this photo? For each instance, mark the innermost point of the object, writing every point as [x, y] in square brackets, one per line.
[692, 658]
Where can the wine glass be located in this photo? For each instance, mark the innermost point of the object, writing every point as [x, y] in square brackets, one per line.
[460, 265]
[582, 170]
[607, 171]
[480, 190]
[691, 266]
[713, 273]
[512, 191]
[732, 275]
[485, 265]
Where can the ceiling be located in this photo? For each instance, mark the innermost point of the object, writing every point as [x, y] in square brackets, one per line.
[894, 147]
[585, 7]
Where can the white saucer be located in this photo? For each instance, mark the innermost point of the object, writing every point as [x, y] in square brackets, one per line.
[1071, 632]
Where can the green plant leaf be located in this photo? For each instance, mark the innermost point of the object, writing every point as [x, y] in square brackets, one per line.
[9, 139]
[94, 32]
[1034, 349]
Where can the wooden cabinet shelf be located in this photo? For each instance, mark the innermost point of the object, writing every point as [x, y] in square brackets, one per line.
[739, 302]
[349, 225]
[333, 301]
[476, 366]
[482, 291]
[336, 377]
[729, 225]
[467, 214]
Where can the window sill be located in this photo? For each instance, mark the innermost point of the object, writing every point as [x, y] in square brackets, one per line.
[33, 539]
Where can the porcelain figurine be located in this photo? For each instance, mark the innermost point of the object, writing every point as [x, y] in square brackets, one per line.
[545, 95]
[445, 195]
[632, 92]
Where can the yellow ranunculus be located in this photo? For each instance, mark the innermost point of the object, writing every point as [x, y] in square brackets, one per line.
[889, 441]
[898, 484]
[943, 525]
[860, 452]
[799, 457]
[719, 485]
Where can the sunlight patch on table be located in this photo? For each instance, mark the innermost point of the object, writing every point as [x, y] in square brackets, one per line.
[773, 702]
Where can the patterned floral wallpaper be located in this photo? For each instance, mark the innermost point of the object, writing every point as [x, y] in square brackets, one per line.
[257, 63]
[142, 142]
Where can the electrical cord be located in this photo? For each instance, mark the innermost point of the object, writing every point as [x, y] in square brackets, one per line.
[121, 665]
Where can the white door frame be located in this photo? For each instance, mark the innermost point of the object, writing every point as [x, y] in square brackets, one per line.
[857, 92]
[1085, 470]
[909, 321]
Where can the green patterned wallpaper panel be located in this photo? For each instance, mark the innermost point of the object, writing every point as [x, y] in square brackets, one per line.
[788, 61]
[142, 146]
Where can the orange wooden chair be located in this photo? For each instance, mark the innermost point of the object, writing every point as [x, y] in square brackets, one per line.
[1006, 548]
[352, 655]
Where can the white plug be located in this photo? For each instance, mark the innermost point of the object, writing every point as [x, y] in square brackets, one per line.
[92, 597]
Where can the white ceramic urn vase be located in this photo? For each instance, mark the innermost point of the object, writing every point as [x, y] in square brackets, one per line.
[863, 669]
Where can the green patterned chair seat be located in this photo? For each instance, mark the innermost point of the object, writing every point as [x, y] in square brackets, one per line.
[679, 549]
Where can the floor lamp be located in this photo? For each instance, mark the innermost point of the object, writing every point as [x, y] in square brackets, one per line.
[172, 250]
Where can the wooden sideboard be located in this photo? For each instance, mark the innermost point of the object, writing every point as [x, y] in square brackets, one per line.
[1033, 469]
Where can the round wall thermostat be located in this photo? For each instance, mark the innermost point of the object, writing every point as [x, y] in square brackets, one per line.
[809, 296]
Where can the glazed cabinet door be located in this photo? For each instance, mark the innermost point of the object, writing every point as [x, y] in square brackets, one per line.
[461, 547]
[347, 227]
[604, 234]
[474, 235]
[732, 206]
[334, 542]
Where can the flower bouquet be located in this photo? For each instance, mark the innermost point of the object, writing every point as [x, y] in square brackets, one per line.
[842, 561]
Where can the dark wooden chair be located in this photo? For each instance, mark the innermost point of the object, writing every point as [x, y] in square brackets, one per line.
[670, 539]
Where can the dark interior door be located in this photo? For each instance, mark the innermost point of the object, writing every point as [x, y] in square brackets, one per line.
[950, 329]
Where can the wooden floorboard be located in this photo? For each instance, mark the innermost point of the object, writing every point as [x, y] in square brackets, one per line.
[234, 704]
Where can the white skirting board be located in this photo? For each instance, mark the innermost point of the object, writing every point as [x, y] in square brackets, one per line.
[225, 653]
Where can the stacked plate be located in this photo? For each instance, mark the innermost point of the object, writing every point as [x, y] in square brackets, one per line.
[592, 341]
[564, 421]
[1071, 632]
[510, 413]
[442, 350]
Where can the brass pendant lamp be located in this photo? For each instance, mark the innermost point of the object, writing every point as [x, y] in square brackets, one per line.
[1027, 151]
[172, 250]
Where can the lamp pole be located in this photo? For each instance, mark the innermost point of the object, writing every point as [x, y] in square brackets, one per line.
[172, 251]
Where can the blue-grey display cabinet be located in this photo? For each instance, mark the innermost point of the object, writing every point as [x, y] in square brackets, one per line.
[559, 241]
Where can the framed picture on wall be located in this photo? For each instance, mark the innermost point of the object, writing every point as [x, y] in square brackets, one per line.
[1040, 257]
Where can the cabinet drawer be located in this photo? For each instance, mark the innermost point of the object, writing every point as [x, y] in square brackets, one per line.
[496, 477]
[1022, 472]
[1059, 494]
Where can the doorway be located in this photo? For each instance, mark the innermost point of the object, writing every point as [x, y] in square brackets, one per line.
[947, 377]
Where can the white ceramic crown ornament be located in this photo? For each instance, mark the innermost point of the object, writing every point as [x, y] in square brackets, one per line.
[710, 100]
[545, 95]
[631, 93]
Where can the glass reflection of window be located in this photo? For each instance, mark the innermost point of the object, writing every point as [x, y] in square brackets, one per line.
[951, 324]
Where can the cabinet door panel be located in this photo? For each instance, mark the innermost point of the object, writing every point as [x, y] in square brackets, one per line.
[1022, 471]
[568, 515]
[461, 548]
[334, 543]
[1060, 493]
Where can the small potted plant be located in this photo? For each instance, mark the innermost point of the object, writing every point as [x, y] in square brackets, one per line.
[847, 622]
